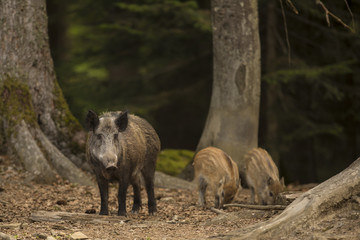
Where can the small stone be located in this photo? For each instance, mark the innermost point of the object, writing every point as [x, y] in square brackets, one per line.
[40, 235]
[78, 235]
[61, 202]
[50, 238]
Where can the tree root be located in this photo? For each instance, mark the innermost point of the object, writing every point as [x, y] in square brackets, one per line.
[311, 208]
[29, 155]
[63, 166]
[34, 151]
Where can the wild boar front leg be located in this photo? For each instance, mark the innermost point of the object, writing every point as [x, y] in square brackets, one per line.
[123, 185]
[104, 194]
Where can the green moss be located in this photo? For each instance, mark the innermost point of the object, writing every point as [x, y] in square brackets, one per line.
[173, 161]
[65, 118]
[16, 104]
[66, 123]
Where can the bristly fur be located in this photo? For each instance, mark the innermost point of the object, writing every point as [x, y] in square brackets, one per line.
[214, 168]
[262, 177]
[123, 147]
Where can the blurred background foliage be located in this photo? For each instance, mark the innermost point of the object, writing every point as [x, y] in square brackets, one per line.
[173, 161]
[154, 58]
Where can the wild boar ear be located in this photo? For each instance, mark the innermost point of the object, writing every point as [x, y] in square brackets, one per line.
[270, 181]
[122, 121]
[92, 121]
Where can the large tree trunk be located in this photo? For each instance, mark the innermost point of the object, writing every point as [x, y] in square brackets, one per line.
[315, 213]
[232, 122]
[37, 128]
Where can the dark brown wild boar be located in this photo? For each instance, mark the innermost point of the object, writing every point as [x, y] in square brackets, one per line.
[121, 147]
[214, 168]
[262, 177]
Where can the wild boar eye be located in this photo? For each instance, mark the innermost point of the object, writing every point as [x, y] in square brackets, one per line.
[271, 194]
[98, 136]
[116, 136]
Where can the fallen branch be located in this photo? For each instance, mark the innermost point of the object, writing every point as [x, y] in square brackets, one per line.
[258, 207]
[218, 211]
[44, 216]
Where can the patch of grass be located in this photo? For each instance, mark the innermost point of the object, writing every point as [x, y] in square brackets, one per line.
[173, 161]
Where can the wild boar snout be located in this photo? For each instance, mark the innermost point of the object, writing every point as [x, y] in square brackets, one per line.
[109, 160]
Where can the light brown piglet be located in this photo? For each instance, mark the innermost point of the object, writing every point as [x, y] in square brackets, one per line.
[262, 177]
[214, 168]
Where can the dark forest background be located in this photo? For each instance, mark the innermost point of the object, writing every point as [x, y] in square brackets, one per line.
[154, 58]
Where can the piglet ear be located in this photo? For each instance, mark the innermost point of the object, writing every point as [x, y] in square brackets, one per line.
[122, 121]
[92, 121]
[221, 182]
[270, 181]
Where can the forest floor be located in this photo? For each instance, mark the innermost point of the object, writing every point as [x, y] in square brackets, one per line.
[178, 216]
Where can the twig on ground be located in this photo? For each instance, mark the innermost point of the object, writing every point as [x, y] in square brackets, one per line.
[45, 216]
[3, 202]
[258, 207]
[218, 211]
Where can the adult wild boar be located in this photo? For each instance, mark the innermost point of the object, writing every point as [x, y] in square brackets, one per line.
[214, 168]
[121, 147]
[262, 177]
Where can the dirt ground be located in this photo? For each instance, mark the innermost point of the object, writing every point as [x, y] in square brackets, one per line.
[178, 216]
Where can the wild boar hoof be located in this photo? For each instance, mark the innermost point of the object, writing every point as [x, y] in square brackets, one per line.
[135, 210]
[103, 213]
[152, 211]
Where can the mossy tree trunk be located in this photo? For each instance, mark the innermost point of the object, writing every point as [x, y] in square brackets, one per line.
[233, 118]
[37, 129]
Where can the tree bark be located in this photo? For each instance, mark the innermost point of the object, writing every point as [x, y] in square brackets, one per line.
[308, 215]
[232, 122]
[37, 127]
